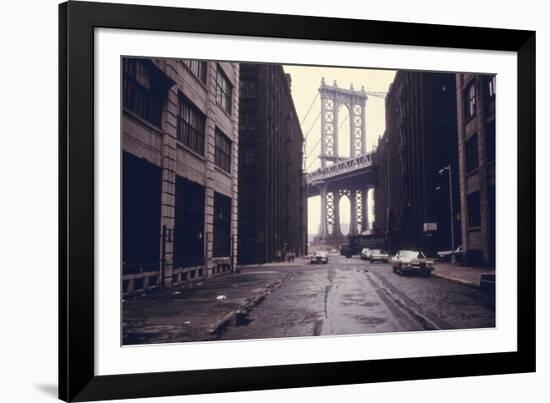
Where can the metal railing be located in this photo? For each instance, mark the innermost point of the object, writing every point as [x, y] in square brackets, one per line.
[350, 165]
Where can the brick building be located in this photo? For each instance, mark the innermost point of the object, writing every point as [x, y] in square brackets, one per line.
[420, 139]
[476, 149]
[180, 166]
[272, 205]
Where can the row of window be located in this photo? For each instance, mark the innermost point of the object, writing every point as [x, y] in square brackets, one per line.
[222, 154]
[191, 132]
[247, 88]
[472, 148]
[224, 90]
[474, 210]
[198, 68]
[143, 98]
[189, 224]
[191, 125]
[139, 95]
[470, 95]
[141, 181]
[474, 207]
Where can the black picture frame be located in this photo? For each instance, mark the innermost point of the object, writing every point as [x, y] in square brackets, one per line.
[77, 21]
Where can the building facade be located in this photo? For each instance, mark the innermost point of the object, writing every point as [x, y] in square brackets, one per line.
[412, 198]
[476, 99]
[179, 170]
[272, 188]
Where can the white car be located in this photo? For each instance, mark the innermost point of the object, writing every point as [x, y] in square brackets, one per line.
[378, 255]
[365, 253]
[412, 261]
[319, 256]
[446, 254]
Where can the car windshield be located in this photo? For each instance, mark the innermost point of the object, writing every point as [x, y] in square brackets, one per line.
[411, 254]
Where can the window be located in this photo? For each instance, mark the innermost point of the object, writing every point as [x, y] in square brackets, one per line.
[470, 100]
[141, 211]
[247, 120]
[222, 156]
[198, 68]
[247, 88]
[249, 157]
[492, 86]
[224, 90]
[490, 141]
[472, 155]
[222, 225]
[141, 94]
[474, 210]
[191, 126]
[189, 212]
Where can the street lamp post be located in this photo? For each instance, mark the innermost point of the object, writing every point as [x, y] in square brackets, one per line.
[449, 172]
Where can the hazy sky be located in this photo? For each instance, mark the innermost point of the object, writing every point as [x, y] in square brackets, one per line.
[305, 86]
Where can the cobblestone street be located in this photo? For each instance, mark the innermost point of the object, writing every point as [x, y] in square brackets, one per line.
[345, 296]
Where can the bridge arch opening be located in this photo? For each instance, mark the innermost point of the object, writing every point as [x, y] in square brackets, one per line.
[344, 209]
[370, 207]
[313, 216]
[343, 132]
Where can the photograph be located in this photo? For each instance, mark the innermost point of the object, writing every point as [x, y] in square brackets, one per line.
[263, 200]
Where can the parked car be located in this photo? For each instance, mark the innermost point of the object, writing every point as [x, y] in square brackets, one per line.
[319, 256]
[378, 255]
[446, 254]
[365, 253]
[412, 261]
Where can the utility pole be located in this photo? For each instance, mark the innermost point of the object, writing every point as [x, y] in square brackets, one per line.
[449, 172]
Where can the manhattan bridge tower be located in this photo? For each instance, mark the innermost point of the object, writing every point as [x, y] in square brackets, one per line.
[331, 186]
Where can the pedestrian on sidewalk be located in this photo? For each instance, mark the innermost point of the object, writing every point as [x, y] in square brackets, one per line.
[291, 256]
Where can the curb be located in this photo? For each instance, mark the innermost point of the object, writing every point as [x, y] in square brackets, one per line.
[456, 280]
[426, 322]
[268, 265]
[217, 327]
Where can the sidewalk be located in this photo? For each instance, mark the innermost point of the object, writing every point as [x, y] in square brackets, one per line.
[197, 312]
[298, 261]
[461, 274]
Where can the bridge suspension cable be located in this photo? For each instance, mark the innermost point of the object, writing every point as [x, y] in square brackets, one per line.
[318, 141]
[343, 121]
[309, 109]
[313, 149]
[313, 125]
[310, 164]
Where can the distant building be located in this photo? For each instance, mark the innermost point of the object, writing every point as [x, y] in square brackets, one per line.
[411, 199]
[180, 154]
[272, 189]
[476, 97]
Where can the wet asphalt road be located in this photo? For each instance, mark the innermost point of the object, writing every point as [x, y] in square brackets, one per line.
[351, 296]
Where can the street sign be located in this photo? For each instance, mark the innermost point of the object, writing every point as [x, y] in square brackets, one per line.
[430, 226]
